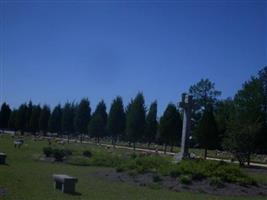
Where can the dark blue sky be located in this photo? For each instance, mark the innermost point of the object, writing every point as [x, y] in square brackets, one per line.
[66, 50]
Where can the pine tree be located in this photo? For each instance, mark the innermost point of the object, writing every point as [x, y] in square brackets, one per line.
[135, 119]
[98, 125]
[207, 131]
[5, 113]
[28, 115]
[54, 123]
[151, 124]
[44, 117]
[12, 120]
[170, 126]
[82, 117]
[34, 121]
[21, 118]
[116, 119]
[67, 123]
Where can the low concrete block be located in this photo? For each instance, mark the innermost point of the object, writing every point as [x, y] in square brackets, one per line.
[64, 183]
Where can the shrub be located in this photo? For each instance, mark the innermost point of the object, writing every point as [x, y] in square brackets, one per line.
[120, 169]
[87, 153]
[216, 182]
[59, 154]
[48, 151]
[132, 173]
[185, 179]
[175, 173]
[156, 178]
[68, 152]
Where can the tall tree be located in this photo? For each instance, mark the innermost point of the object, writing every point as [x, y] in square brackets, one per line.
[28, 115]
[204, 93]
[170, 126]
[44, 117]
[67, 122]
[21, 118]
[82, 117]
[223, 111]
[12, 120]
[54, 123]
[249, 104]
[34, 121]
[4, 116]
[151, 124]
[207, 131]
[116, 119]
[98, 125]
[263, 132]
[241, 138]
[135, 119]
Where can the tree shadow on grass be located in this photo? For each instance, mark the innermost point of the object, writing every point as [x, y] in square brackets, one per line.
[74, 193]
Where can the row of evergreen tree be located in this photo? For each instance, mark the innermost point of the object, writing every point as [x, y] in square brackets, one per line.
[237, 124]
[134, 123]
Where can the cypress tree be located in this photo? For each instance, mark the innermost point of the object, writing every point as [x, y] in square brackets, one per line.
[82, 117]
[54, 123]
[170, 126]
[44, 117]
[98, 125]
[34, 121]
[135, 119]
[151, 124]
[116, 119]
[207, 132]
[4, 116]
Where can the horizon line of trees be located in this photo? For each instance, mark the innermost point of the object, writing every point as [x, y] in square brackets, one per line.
[237, 124]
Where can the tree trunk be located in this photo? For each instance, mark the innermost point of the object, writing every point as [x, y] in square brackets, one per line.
[205, 153]
[171, 148]
[134, 146]
[81, 138]
[97, 140]
[248, 159]
[148, 145]
[165, 148]
[68, 138]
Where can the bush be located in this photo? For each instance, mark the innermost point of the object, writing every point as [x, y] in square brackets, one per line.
[48, 151]
[120, 169]
[59, 154]
[175, 173]
[156, 178]
[185, 179]
[216, 182]
[68, 152]
[87, 154]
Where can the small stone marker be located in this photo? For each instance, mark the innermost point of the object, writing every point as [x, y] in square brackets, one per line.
[18, 143]
[187, 105]
[64, 183]
[2, 158]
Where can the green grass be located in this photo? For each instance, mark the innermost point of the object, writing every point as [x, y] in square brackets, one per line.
[27, 178]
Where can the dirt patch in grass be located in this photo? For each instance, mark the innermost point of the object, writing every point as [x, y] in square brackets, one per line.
[258, 170]
[203, 186]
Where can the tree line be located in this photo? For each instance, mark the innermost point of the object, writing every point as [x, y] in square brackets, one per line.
[237, 124]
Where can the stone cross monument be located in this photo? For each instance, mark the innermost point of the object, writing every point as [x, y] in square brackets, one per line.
[186, 105]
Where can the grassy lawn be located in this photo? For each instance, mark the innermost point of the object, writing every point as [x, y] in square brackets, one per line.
[27, 178]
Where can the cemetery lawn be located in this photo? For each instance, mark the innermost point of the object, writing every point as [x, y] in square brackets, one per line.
[25, 177]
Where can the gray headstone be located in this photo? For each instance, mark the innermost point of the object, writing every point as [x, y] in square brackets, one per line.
[64, 183]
